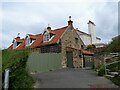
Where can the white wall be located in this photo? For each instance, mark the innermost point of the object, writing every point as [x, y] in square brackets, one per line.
[98, 40]
[91, 30]
[87, 39]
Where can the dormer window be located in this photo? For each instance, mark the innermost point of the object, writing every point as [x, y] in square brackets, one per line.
[14, 44]
[28, 41]
[46, 36]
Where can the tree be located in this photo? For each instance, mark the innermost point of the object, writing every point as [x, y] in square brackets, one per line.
[114, 45]
[91, 46]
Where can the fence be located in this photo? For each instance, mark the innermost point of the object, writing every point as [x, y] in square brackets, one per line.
[43, 62]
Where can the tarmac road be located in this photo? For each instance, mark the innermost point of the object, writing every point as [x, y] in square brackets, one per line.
[72, 78]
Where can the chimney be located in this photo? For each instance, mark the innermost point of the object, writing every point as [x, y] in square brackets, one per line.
[48, 28]
[91, 30]
[70, 21]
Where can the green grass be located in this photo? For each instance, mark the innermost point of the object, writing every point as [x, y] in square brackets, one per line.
[16, 62]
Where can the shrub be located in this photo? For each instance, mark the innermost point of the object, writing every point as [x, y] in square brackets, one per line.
[116, 80]
[91, 46]
[101, 71]
[16, 62]
[113, 67]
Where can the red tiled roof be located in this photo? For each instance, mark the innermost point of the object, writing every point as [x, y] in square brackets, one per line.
[19, 40]
[10, 47]
[38, 41]
[58, 32]
[86, 52]
[32, 36]
[20, 46]
[51, 31]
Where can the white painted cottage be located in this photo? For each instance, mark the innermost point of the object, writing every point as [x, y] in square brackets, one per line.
[90, 38]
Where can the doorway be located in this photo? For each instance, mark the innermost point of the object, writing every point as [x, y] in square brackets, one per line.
[70, 59]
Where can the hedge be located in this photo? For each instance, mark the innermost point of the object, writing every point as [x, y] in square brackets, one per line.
[16, 62]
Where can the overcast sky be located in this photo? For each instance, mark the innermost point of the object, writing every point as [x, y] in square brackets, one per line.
[33, 17]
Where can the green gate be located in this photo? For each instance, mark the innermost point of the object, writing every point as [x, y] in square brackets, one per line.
[70, 59]
[43, 62]
[88, 61]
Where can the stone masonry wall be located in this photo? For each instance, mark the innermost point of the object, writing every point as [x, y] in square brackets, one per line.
[71, 39]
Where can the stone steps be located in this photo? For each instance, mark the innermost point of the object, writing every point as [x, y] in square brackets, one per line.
[111, 74]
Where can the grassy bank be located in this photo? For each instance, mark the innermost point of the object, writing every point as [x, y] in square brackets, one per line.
[16, 62]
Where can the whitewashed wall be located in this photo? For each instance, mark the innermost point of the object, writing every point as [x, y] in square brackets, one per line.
[91, 29]
[98, 40]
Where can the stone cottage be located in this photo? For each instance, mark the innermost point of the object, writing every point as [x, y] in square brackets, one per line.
[64, 40]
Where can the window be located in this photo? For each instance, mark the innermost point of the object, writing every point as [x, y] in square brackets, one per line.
[46, 37]
[14, 44]
[76, 40]
[27, 41]
[82, 46]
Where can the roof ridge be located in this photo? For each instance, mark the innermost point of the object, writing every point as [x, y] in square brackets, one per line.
[60, 28]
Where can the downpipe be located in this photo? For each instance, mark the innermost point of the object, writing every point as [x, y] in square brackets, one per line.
[6, 79]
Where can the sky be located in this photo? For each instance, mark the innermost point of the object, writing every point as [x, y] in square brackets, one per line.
[34, 16]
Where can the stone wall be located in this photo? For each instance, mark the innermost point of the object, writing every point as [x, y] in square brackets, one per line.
[71, 39]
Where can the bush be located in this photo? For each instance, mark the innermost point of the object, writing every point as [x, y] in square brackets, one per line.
[116, 80]
[113, 67]
[16, 62]
[91, 46]
[101, 71]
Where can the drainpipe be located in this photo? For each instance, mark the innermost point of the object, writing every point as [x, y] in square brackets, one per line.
[6, 79]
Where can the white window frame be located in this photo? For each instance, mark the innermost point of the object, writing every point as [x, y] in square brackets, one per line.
[28, 43]
[27, 40]
[46, 36]
[14, 44]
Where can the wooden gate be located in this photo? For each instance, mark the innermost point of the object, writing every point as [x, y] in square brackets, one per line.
[43, 62]
[70, 59]
[88, 62]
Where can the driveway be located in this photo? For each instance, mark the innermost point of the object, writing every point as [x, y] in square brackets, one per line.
[72, 78]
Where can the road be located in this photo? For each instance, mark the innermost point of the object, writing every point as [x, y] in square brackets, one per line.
[72, 78]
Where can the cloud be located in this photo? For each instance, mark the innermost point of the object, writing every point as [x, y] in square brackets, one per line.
[33, 17]
[119, 17]
[0, 25]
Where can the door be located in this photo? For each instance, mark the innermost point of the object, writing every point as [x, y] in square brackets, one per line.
[88, 61]
[70, 59]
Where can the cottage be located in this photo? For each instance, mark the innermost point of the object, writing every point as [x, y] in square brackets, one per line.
[64, 40]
